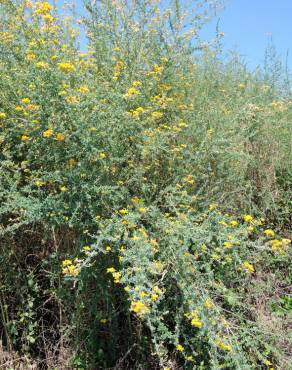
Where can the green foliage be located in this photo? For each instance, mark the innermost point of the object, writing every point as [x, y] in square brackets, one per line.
[113, 163]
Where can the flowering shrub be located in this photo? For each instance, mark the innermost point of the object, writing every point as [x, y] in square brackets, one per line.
[186, 276]
[145, 193]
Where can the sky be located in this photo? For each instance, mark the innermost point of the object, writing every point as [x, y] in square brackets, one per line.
[249, 25]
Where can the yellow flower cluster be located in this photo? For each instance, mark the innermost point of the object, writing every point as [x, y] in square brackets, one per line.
[115, 274]
[102, 155]
[156, 115]
[43, 7]
[83, 89]
[69, 268]
[131, 93]
[60, 136]
[24, 137]
[48, 133]
[196, 322]
[227, 244]
[118, 69]
[269, 233]
[208, 303]
[180, 348]
[233, 223]
[157, 70]
[247, 218]
[41, 64]
[248, 267]
[137, 112]
[139, 308]
[280, 245]
[39, 183]
[66, 67]
[221, 344]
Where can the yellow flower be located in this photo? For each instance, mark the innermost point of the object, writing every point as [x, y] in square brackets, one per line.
[180, 348]
[233, 223]
[276, 244]
[183, 124]
[157, 69]
[139, 308]
[197, 323]
[213, 206]
[132, 91]
[210, 132]
[269, 233]
[71, 270]
[116, 276]
[227, 245]
[275, 104]
[123, 211]
[158, 266]
[63, 189]
[24, 138]
[72, 99]
[30, 57]
[156, 115]
[66, 67]
[248, 267]
[103, 321]
[48, 133]
[136, 113]
[154, 297]
[48, 18]
[83, 89]
[25, 100]
[142, 210]
[87, 248]
[43, 7]
[110, 270]
[136, 83]
[102, 155]
[223, 346]
[66, 263]
[2, 115]
[62, 93]
[248, 218]
[208, 303]
[42, 65]
[18, 108]
[241, 86]
[60, 137]
[39, 183]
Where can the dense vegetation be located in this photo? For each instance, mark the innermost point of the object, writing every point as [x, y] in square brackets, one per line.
[145, 193]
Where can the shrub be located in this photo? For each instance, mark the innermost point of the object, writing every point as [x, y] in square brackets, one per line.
[113, 162]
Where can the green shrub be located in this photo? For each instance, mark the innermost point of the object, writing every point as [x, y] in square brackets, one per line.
[126, 148]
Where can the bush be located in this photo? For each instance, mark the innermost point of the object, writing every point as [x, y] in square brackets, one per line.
[113, 163]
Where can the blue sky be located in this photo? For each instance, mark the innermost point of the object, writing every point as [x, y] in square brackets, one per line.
[248, 26]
